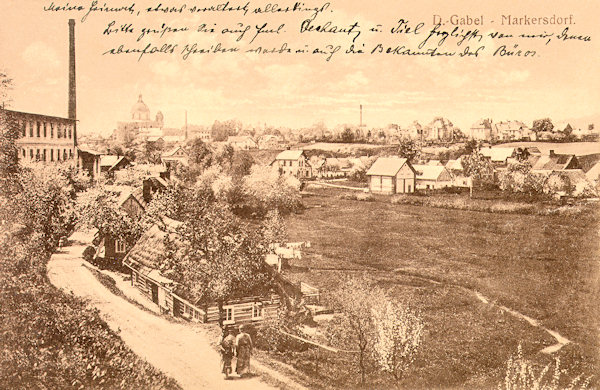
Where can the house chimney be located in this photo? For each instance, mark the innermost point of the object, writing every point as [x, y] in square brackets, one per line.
[552, 154]
[72, 87]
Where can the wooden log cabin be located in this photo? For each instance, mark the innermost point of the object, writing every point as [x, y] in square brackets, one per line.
[143, 262]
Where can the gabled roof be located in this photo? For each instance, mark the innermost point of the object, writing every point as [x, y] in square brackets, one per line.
[172, 152]
[429, 172]
[497, 154]
[557, 162]
[290, 155]
[388, 166]
[594, 172]
[124, 192]
[110, 161]
[455, 165]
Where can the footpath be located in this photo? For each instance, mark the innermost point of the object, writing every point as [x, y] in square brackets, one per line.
[180, 350]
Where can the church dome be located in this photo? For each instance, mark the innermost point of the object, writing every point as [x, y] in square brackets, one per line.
[140, 111]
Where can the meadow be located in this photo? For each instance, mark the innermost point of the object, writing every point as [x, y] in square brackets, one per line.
[543, 266]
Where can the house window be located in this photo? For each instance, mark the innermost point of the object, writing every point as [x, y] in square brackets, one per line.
[119, 246]
[257, 311]
[229, 315]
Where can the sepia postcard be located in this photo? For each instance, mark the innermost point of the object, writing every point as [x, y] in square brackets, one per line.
[245, 194]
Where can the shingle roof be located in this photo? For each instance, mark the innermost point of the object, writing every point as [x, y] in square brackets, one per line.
[289, 155]
[150, 249]
[594, 172]
[387, 166]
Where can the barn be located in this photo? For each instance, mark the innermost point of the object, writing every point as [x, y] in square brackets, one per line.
[391, 175]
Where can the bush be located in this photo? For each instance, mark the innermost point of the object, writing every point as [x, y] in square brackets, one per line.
[364, 196]
[51, 340]
[521, 374]
[88, 254]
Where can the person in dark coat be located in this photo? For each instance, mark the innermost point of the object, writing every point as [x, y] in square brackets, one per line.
[227, 351]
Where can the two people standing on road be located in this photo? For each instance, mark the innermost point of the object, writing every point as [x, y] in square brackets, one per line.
[239, 346]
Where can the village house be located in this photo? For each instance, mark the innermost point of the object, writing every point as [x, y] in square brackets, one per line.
[293, 162]
[553, 162]
[177, 155]
[498, 156]
[391, 175]
[336, 167]
[440, 129]
[89, 161]
[110, 164]
[511, 130]
[242, 142]
[143, 262]
[269, 141]
[112, 250]
[432, 177]
[481, 130]
[459, 179]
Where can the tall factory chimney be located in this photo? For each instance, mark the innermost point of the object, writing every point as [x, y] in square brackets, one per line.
[72, 86]
[186, 126]
[361, 124]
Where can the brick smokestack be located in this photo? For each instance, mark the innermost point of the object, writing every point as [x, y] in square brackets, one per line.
[72, 84]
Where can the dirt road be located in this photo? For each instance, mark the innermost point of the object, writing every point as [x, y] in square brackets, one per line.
[180, 350]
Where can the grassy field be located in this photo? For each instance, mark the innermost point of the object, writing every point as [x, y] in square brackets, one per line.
[543, 266]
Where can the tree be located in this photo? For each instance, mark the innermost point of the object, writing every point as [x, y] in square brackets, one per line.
[99, 208]
[44, 203]
[264, 189]
[522, 374]
[6, 84]
[542, 125]
[200, 153]
[354, 328]
[9, 133]
[477, 167]
[408, 149]
[273, 229]
[222, 257]
[347, 135]
[221, 130]
[399, 332]
[241, 163]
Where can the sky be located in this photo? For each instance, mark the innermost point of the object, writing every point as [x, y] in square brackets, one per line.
[297, 90]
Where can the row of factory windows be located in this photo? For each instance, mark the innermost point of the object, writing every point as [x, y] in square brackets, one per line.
[47, 154]
[45, 129]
